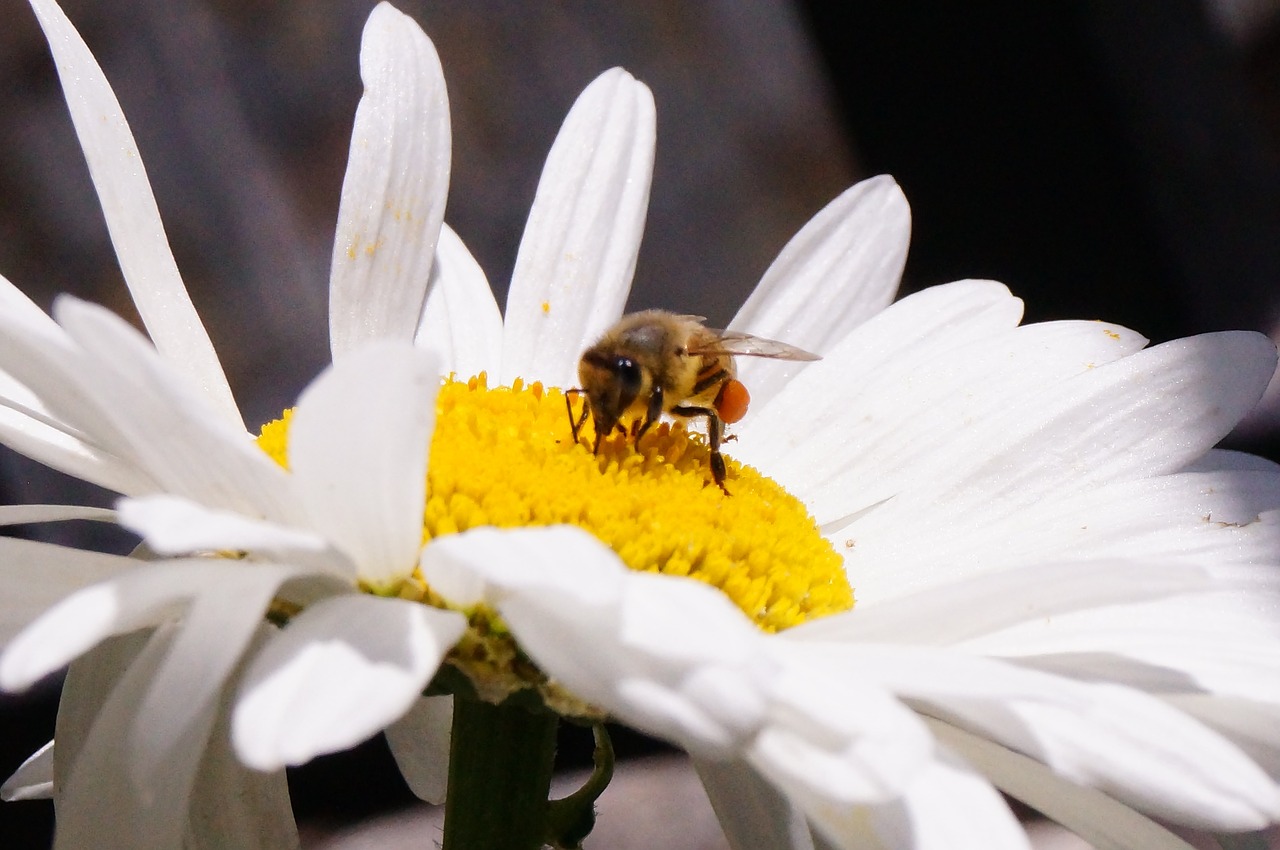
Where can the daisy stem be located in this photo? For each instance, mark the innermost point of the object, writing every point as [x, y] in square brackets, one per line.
[500, 763]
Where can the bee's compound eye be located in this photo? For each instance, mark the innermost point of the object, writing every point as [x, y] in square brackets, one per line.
[629, 375]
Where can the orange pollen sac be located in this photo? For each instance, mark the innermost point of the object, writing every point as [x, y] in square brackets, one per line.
[732, 401]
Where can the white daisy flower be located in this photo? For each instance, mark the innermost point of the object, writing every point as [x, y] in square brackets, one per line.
[1062, 591]
[1056, 576]
[89, 396]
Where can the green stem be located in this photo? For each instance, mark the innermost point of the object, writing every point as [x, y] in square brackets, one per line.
[500, 763]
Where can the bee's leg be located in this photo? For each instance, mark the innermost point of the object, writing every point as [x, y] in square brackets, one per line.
[715, 433]
[576, 425]
[652, 413]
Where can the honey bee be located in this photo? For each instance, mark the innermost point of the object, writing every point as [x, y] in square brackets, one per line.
[655, 362]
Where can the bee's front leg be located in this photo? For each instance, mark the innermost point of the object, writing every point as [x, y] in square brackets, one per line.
[576, 425]
[652, 412]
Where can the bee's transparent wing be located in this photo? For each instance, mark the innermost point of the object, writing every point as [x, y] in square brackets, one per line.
[744, 344]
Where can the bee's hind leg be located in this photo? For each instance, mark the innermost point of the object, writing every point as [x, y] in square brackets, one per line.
[715, 434]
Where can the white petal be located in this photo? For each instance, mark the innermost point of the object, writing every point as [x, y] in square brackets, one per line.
[23, 514]
[142, 596]
[17, 398]
[676, 659]
[131, 214]
[672, 657]
[53, 372]
[1150, 413]
[908, 334]
[1143, 415]
[58, 449]
[949, 807]
[340, 671]
[26, 424]
[420, 741]
[393, 195]
[949, 612]
[66, 424]
[103, 801]
[358, 445]
[33, 780]
[486, 564]
[1212, 518]
[85, 690]
[15, 304]
[1220, 460]
[906, 417]
[578, 252]
[170, 432]
[838, 741]
[1220, 642]
[1253, 726]
[33, 576]
[460, 322]
[753, 813]
[101, 804]
[182, 698]
[174, 526]
[234, 806]
[1220, 639]
[841, 268]
[1095, 817]
[1128, 744]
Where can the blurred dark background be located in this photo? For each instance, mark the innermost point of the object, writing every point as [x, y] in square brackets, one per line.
[1118, 161]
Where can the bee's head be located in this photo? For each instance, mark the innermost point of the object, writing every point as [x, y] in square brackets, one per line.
[612, 383]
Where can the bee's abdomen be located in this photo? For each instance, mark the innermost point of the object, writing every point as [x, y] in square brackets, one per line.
[713, 372]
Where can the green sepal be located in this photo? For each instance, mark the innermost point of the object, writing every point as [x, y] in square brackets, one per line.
[571, 819]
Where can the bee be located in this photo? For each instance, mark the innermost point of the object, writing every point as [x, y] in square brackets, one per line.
[655, 362]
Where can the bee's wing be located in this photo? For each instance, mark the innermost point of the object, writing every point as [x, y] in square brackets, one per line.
[739, 343]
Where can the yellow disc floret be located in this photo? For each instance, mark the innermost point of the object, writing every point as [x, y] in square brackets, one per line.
[274, 438]
[506, 457]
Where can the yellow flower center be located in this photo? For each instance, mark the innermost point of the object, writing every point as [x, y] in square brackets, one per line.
[505, 457]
